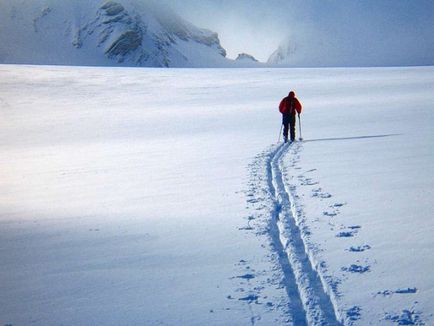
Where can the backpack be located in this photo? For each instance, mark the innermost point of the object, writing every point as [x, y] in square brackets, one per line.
[289, 104]
[283, 107]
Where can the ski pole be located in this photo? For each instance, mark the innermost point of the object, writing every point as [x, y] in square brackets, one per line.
[280, 132]
[299, 127]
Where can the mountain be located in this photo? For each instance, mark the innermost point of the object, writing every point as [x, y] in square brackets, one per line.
[107, 33]
[283, 54]
[322, 48]
[246, 58]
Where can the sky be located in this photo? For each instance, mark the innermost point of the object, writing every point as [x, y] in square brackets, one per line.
[258, 27]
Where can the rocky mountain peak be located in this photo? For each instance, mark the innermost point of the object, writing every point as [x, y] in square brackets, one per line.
[246, 57]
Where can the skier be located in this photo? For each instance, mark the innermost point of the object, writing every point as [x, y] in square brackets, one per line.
[288, 106]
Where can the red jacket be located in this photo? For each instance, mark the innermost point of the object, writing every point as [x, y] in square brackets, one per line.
[290, 104]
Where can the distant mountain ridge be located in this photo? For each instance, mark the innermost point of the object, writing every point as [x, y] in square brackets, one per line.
[319, 50]
[145, 33]
[246, 57]
[124, 32]
[282, 54]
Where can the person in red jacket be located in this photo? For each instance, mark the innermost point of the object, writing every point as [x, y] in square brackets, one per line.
[288, 107]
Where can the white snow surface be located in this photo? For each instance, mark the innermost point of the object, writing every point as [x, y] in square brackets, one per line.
[137, 196]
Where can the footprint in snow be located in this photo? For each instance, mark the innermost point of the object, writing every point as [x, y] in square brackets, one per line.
[329, 214]
[245, 228]
[319, 194]
[397, 291]
[246, 276]
[406, 317]
[406, 290]
[308, 182]
[250, 298]
[353, 313]
[356, 269]
[336, 205]
[346, 234]
[359, 248]
[385, 293]
[248, 227]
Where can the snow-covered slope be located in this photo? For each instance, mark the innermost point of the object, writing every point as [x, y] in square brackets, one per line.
[319, 49]
[283, 54]
[124, 32]
[121, 207]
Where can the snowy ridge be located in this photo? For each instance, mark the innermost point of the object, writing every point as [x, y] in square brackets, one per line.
[105, 33]
[283, 53]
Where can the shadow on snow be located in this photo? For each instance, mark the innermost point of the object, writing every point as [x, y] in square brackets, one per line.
[351, 138]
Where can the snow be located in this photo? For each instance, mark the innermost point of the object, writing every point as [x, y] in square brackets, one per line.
[134, 196]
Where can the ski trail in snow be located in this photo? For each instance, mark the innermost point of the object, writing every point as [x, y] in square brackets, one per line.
[295, 303]
[309, 302]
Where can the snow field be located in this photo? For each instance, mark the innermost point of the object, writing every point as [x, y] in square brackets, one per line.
[144, 195]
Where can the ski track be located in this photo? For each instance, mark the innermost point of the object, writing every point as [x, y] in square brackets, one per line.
[309, 302]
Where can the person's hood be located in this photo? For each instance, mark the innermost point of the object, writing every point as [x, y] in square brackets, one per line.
[291, 94]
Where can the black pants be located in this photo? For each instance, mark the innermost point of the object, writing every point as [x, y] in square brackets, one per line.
[289, 123]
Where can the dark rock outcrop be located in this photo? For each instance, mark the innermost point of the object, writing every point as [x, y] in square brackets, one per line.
[121, 34]
[246, 57]
[112, 8]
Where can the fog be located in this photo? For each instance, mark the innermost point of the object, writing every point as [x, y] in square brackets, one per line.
[397, 30]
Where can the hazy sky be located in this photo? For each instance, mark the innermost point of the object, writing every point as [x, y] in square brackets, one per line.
[258, 26]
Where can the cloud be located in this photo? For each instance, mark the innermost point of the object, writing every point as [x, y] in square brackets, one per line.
[379, 28]
[242, 27]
